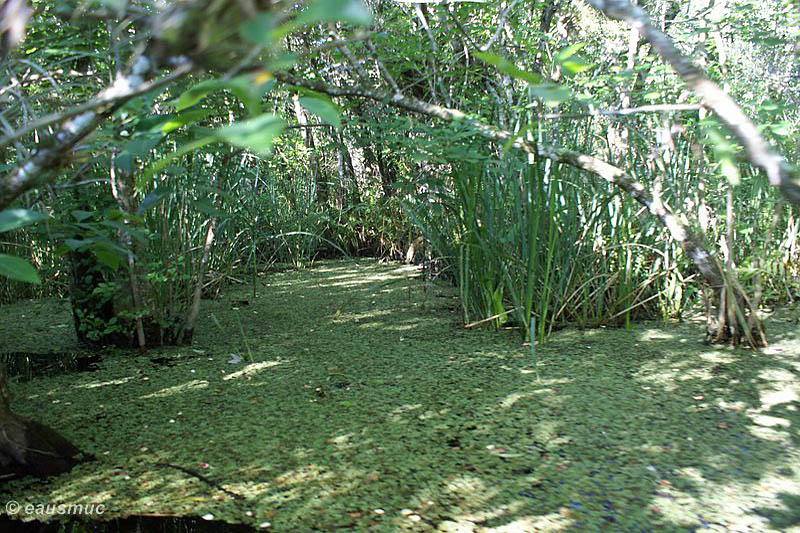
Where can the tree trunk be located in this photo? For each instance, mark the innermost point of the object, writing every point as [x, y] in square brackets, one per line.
[113, 305]
[320, 184]
[385, 171]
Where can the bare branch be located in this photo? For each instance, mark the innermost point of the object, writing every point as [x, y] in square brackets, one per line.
[104, 99]
[500, 23]
[779, 172]
[655, 108]
[691, 243]
[32, 172]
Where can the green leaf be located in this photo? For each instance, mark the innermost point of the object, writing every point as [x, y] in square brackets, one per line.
[195, 94]
[255, 134]
[725, 151]
[133, 232]
[81, 215]
[248, 88]
[324, 109]
[258, 30]
[124, 162]
[552, 93]
[244, 88]
[569, 51]
[76, 244]
[17, 218]
[106, 257]
[18, 269]
[153, 123]
[187, 117]
[152, 199]
[353, 11]
[730, 170]
[206, 207]
[574, 65]
[506, 66]
[191, 146]
[140, 146]
[283, 61]
[782, 129]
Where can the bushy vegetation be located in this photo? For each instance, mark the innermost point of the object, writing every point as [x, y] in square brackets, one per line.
[590, 163]
[155, 199]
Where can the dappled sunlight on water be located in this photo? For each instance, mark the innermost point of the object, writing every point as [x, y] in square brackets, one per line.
[372, 408]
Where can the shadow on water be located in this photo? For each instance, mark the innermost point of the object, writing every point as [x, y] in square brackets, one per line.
[132, 524]
[24, 366]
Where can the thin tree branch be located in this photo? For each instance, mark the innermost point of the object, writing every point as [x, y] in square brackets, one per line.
[691, 243]
[655, 108]
[760, 154]
[51, 151]
[500, 23]
[108, 97]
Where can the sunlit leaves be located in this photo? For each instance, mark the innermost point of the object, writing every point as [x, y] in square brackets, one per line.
[17, 218]
[352, 11]
[256, 134]
[18, 269]
[182, 119]
[324, 109]
[162, 163]
[782, 129]
[551, 93]
[507, 67]
[725, 152]
[568, 51]
[248, 88]
[195, 94]
[571, 63]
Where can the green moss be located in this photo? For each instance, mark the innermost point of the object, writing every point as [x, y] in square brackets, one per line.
[366, 406]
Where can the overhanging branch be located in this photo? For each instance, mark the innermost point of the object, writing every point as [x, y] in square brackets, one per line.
[109, 97]
[779, 172]
[52, 151]
[691, 243]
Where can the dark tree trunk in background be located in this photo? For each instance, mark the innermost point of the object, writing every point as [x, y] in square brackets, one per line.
[91, 309]
[386, 172]
[110, 305]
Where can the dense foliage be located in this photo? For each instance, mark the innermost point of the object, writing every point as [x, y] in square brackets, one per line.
[246, 162]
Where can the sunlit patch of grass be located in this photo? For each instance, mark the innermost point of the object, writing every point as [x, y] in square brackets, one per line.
[652, 334]
[252, 369]
[178, 389]
[98, 384]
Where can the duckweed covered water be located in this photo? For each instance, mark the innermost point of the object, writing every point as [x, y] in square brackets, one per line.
[348, 397]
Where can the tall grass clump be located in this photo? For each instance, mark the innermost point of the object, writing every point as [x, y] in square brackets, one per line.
[527, 240]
